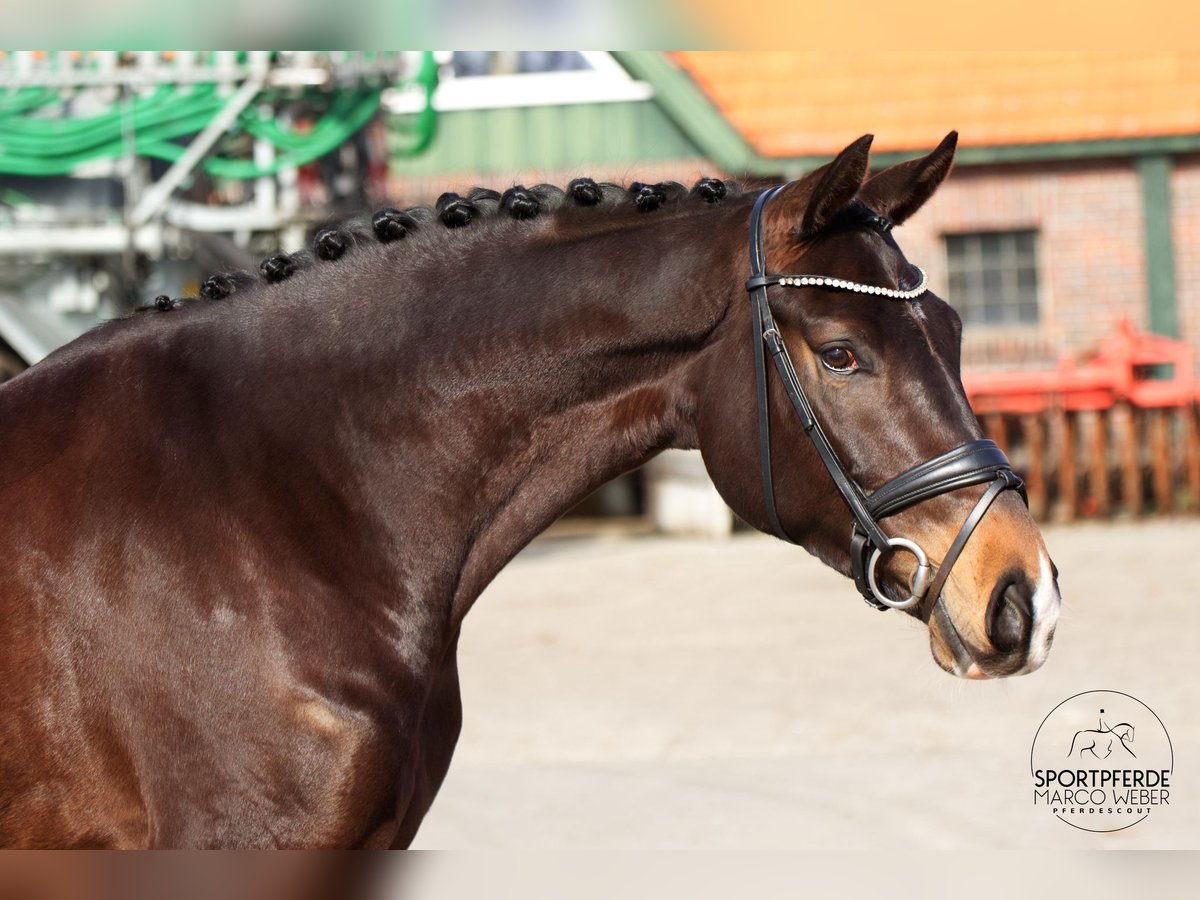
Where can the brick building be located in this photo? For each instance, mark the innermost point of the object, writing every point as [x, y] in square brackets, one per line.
[1075, 202]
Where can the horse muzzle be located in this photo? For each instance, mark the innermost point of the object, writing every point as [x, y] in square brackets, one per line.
[1018, 624]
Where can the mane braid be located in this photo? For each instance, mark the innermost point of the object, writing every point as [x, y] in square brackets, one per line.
[520, 203]
[585, 192]
[710, 190]
[222, 284]
[277, 268]
[455, 211]
[331, 244]
[391, 225]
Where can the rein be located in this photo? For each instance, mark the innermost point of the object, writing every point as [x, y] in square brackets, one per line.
[970, 463]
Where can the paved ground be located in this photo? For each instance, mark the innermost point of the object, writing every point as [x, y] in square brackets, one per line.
[654, 693]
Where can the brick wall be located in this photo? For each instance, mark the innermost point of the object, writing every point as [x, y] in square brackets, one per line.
[1090, 253]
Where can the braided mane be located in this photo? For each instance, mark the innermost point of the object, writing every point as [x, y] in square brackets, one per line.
[515, 205]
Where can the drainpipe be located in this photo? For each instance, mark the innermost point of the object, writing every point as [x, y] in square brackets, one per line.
[1155, 174]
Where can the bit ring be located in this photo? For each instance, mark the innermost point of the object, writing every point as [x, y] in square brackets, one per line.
[920, 579]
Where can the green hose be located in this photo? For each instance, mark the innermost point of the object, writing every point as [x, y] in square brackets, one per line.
[424, 126]
[26, 98]
[32, 144]
[320, 142]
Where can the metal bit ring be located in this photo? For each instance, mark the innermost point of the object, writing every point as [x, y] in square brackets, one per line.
[920, 579]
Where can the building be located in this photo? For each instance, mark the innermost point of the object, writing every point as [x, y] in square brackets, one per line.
[1075, 203]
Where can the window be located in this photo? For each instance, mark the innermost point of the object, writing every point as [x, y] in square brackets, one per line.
[993, 277]
[472, 63]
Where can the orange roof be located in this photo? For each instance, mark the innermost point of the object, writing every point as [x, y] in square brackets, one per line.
[800, 104]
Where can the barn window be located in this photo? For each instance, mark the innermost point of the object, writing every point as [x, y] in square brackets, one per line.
[993, 277]
[471, 63]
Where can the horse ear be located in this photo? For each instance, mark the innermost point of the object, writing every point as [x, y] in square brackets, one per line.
[901, 190]
[819, 195]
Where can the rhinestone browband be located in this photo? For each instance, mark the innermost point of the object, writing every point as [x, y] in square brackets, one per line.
[843, 285]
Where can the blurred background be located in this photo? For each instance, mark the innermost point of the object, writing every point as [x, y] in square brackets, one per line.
[752, 709]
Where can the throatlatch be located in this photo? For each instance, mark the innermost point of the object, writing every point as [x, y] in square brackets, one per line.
[974, 462]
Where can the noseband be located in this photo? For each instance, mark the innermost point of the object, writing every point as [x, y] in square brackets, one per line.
[975, 462]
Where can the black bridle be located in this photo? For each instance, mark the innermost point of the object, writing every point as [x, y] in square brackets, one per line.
[975, 462]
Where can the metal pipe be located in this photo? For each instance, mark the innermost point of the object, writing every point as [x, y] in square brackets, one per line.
[156, 196]
[39, 242]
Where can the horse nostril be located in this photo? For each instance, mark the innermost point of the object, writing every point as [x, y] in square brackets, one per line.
[1010, 614]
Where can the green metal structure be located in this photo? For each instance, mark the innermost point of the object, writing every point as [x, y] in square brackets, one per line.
[41, 136]
[125, 173]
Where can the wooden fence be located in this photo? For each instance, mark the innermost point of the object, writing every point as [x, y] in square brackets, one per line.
[1123, 460]
[1116, 433]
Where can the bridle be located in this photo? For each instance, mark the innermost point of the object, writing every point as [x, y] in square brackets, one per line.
[974, 462]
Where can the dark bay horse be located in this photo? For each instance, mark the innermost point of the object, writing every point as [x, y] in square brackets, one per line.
[240, 532]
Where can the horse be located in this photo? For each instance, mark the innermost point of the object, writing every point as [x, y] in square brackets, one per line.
[242, 530]
[1088, 740]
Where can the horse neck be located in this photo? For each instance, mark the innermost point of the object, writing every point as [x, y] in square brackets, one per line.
[493, 391]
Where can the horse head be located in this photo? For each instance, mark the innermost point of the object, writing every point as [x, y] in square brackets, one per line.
[876, 357]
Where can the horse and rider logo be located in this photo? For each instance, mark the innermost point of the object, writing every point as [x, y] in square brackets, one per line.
[1086, 768]
[1099, 742]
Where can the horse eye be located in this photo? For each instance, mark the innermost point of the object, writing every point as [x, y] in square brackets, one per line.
[839, 359]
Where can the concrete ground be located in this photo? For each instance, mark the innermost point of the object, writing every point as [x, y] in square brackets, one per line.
[659, 693]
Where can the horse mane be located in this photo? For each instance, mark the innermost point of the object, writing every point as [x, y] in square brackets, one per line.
[599, 201]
